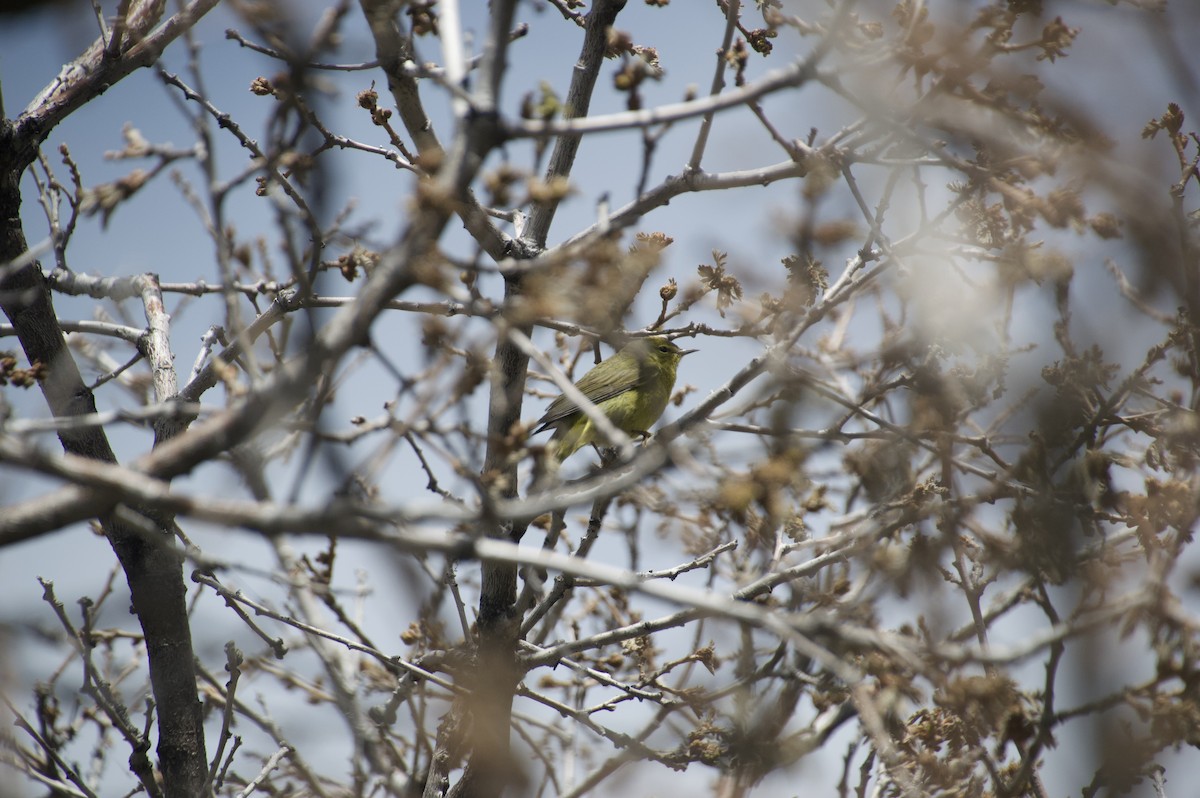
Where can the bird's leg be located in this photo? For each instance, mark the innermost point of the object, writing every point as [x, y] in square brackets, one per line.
[641, 434]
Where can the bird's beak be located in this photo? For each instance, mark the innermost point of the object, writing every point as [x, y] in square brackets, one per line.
[687, 352]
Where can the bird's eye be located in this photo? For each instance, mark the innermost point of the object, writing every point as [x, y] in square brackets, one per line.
[665, 349]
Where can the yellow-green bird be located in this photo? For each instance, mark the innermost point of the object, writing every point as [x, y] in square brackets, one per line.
[631, 388]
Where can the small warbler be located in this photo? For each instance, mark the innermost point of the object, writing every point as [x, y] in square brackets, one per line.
[631, 388]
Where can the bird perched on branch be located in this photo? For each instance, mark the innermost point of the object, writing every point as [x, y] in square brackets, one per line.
[631, 389]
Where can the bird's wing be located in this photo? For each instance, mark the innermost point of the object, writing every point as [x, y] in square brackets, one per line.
[590, 386]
